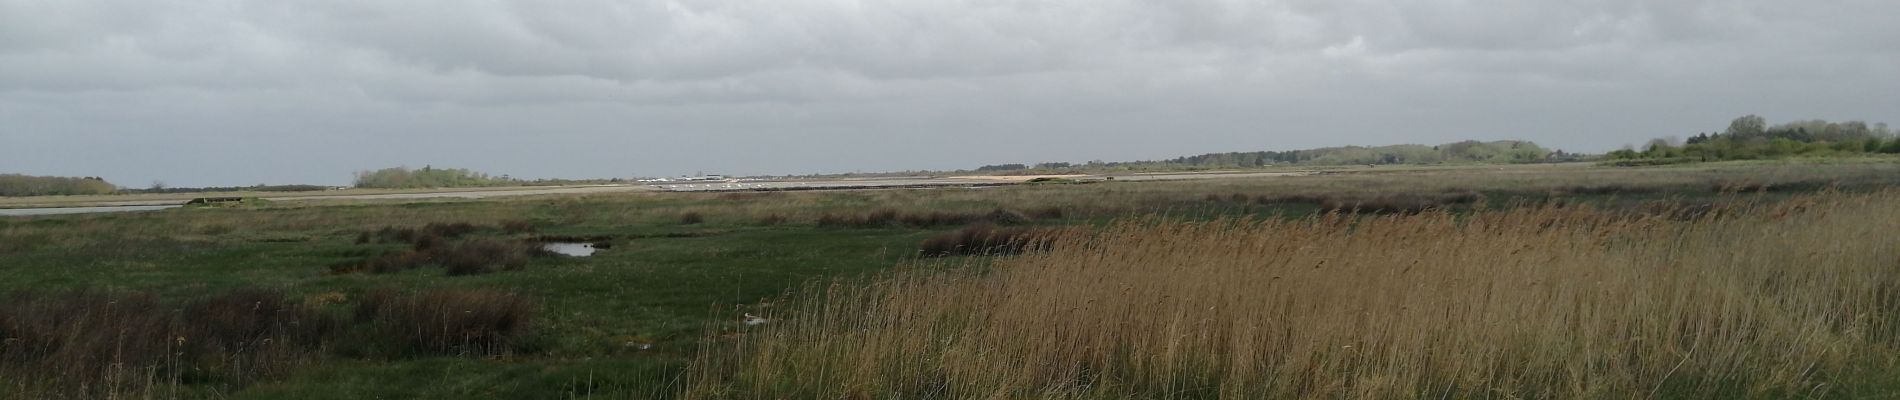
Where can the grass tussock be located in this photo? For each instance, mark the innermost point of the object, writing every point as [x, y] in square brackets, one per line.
[447, 322]
[692, 218]
[1759, 302]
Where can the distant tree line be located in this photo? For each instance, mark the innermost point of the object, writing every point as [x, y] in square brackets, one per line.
[25, 185]
[1469, 151]
[1001, 167]
[427, 177]
[159, 188]
[1750, 137]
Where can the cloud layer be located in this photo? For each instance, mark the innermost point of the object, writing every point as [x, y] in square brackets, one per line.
[310, 91]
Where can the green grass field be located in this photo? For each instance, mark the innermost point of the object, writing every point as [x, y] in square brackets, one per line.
[626, 322]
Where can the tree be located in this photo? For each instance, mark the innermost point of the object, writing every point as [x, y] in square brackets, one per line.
[1748, 126]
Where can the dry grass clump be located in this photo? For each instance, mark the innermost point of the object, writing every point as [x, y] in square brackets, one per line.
[92, 344]
[987, 239]
[692, 218]
[1764, 302]
[446, 322]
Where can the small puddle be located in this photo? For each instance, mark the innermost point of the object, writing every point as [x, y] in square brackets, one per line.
[569, 249]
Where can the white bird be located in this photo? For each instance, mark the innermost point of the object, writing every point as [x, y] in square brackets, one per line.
[754, 319]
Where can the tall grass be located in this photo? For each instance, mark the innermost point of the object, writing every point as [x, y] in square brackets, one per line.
[95, 344]
[1789, 299]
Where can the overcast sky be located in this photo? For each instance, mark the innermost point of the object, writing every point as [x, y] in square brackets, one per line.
[223, 92]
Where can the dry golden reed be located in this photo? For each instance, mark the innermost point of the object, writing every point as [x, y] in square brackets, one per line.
[1791, 299]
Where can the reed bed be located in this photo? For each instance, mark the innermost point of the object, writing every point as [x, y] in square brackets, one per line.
[1797, 298]
[99, 344]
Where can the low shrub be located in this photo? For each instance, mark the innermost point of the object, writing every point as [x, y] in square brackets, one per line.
[692, 218]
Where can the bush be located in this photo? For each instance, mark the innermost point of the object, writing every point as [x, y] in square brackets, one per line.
[692, 218]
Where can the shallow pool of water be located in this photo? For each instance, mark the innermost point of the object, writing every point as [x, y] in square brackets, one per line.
[569, 249]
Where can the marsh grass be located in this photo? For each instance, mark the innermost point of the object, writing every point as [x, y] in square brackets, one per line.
[885, 218]
[445, 322]
[988, 239]
[441, 244]
[1764, 300]
[94, 344]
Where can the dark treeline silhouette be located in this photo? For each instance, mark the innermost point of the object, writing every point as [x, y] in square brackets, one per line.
[252, 188]
[427, 177]
[1469, 151]
[1750, 137]
[25, 185]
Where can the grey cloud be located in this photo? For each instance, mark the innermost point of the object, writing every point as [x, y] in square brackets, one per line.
[664, 87]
